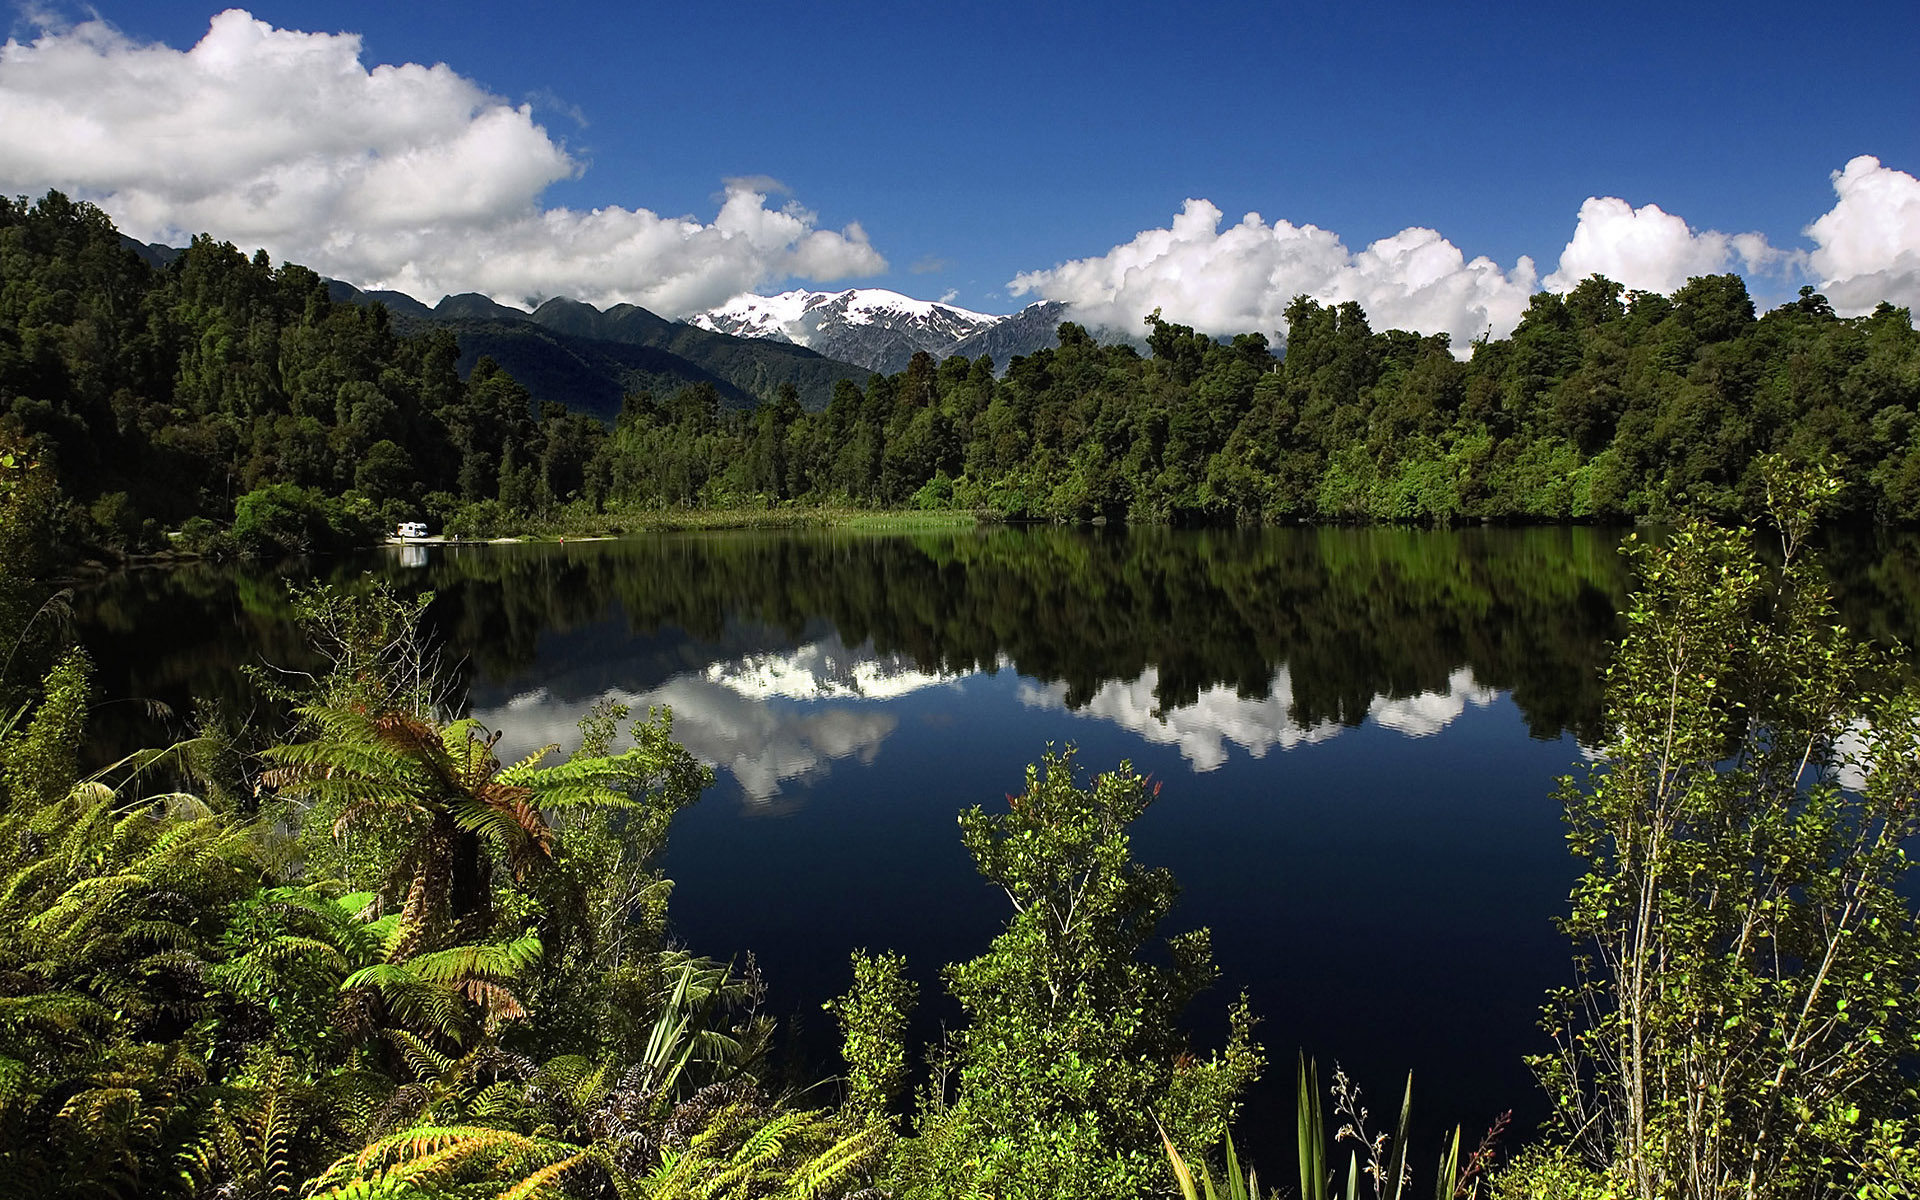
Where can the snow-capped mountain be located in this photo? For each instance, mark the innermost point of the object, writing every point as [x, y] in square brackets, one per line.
[1035, 327]
[872, 327]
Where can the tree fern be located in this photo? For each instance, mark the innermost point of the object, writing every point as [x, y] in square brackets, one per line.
[445, 1160]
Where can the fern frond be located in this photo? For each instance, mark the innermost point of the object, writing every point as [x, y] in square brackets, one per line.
[568, 797]
[426, 1156]
[382, 976]
[456, 964]
[545, 1181]
[56, 1013]
[422, 1059]
[354, 904]
[768, 1141]
[495, 1001]
[837, 1163]
[529, 763]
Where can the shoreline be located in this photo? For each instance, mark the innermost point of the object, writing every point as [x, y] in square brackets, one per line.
[623, 524]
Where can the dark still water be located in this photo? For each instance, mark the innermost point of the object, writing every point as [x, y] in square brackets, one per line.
[1357, 731]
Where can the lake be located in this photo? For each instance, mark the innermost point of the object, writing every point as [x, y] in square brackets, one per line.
[1358, 733]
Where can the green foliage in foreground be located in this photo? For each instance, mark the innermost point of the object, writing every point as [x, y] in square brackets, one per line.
[1744, 1020]
[182, 1014]
[1072, 1045]
[399, 967]
[1379, 1162]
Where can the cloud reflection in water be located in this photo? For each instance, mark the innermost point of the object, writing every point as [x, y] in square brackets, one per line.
[1221, 715]
[767, 719]
[771, 718]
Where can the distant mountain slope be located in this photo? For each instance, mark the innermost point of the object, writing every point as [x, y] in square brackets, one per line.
[588, 359]
[1035, 327]
[584, 374]
[876, 328]
[153, 254]
[754, 365]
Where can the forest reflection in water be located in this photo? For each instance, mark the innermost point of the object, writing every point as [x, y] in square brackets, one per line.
[783, 646]
[1359, 731]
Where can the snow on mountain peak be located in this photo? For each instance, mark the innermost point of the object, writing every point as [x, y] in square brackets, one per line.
[873, 327]
[793, 316]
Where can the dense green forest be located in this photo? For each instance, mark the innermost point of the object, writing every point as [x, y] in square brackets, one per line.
[165, 397]
[223, 389]
[1602, 405]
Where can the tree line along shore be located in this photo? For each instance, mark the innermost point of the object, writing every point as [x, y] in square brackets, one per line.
[223, 403]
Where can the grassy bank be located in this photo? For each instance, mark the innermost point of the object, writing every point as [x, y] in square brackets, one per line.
[574, 523]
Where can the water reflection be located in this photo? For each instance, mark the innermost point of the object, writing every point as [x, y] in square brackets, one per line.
[767, 718]
[826, 669]
[1201, 640]
[773, 717]
[1429, 712]
[1199, 729]
[1352, 614]
[761, 744]
[1256, 724]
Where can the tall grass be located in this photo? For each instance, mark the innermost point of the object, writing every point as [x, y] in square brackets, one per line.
[1385, 1169]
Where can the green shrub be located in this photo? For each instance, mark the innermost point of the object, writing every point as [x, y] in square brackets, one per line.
[284, 518]
[116, 523]
[935, 493]
[198, 535]
[1742, 1019]
[1544, 1173]
[482, 519]
[1073, 1045]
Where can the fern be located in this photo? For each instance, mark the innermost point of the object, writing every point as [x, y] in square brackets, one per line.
[430, 1158]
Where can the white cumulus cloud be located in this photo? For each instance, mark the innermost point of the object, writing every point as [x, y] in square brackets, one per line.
[1867, 247]
[1243, 278]
[1651, 250]
[409, 177]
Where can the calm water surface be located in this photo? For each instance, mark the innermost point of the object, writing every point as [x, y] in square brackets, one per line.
[1358, 733]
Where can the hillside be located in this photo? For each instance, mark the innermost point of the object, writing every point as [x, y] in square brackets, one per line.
[587, 359]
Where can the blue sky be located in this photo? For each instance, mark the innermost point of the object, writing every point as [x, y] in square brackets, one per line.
[972, 143]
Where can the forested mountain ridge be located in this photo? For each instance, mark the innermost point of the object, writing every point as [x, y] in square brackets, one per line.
[574, 354]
